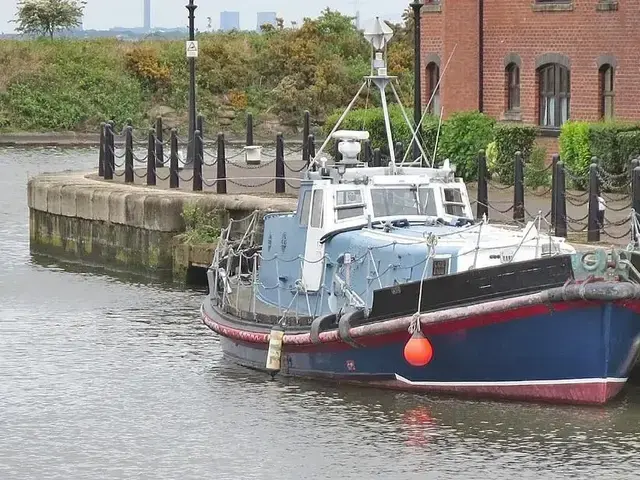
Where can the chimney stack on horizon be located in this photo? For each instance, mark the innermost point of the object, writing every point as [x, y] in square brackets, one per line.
[147, 15]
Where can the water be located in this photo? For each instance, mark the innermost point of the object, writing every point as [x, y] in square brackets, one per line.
[109, 377]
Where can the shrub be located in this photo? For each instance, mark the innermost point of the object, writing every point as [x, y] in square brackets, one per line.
[509, 139]
[536, 173]
[492, 156]
[629, 144]
[575, 151]
[463, 136]
[201, 226]
[144, 63]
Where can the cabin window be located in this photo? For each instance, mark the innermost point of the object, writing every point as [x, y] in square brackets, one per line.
[394, 201]
[306, 208]
[349, 204]
[440, 267]
[317, 209]
[453, 203]
[428, 202]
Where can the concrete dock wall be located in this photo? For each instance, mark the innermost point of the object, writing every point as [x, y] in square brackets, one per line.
[123, 226]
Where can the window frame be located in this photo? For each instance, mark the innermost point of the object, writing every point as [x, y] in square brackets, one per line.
[513, 88]
[603, 71]
[433, 78]
[314, 219]
[551, 77]
[305, 205]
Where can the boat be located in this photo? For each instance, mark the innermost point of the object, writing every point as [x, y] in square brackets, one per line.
[382, 277]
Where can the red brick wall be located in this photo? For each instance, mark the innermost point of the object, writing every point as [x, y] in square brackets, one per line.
[431, 43]
[582, 34]
[512, 26]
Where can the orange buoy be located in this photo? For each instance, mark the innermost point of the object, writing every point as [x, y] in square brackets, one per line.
[418, 350]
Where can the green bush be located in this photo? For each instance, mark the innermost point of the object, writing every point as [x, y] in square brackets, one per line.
[536, 173]
[575, 152]
[462, 137]
[511, 138]
[492, 156]
[201, 226]
[629, 144]
[610, 142]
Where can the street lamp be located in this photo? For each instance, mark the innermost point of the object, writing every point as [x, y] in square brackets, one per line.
[192, 54]
[417, 90]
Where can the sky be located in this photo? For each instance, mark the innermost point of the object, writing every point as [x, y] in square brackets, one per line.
[104, 14]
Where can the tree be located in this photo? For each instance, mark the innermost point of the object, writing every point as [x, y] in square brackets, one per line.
[45, 17]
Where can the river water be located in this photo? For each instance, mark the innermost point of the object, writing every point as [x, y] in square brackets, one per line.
[104, 376]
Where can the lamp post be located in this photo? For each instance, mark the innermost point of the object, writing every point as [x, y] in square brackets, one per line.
[417, 90]
[191, 55]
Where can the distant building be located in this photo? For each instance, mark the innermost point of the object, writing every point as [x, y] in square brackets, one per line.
[229, 21]
[147, 15]
[265, 18]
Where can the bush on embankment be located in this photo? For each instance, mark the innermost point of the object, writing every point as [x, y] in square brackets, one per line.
[71, 84]
[459, 138]
[613, 143]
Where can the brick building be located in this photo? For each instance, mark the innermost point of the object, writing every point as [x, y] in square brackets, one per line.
[534, 61]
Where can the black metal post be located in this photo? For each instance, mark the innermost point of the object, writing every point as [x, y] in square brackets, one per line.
[636, 190]
[151, 158]
[311, 142]
[280, 185]
[174, 177]
[159, 144]
[366, 152]
[482, 207]
[593, 233]
[200, 126]
[128, 154]
[399, 150]
[249, 129]
[417, 72]
[102, 150]
[554, 188]
[518, 188]
[377, 158]
[109, 157]
[197, 161]
[306, 127]
[191, 7]
[221, 182]
[561, 202]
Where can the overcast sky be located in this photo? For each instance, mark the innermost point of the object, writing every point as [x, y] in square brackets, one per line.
[104, 14]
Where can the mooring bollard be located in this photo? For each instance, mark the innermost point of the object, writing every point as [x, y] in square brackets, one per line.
[554, 188]
[377, 158]
[280, 185]
[593, 229]
[561, 202]
[249, 129]
[151, 158]
[159, 144]
[109, 153]
[102, 150]
[482, 206]
[306, 130]
[174, 161]
[128, 154]
[197, 161]
[518, 188]
[221, 183]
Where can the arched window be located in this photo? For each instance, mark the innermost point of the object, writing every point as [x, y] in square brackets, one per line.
[606, 91]
[555, 88]
[513, 87]
[433, 89]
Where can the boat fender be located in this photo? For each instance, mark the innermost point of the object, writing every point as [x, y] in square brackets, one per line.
[274, 354]
[322, 324]
[345, 323]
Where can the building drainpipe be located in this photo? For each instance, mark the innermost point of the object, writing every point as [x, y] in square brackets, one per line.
[481, 56]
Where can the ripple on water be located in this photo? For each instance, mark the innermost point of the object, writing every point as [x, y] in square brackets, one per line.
[101, 377]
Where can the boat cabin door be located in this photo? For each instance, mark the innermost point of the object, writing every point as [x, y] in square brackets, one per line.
[313, 265]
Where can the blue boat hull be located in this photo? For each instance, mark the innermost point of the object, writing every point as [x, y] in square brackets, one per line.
[572, 352]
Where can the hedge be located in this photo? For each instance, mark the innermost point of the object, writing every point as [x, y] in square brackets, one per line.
[611, 142]
[461, 136]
